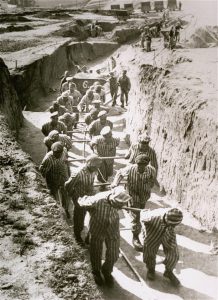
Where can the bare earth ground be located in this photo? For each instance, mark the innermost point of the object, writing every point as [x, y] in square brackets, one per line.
[197, 268]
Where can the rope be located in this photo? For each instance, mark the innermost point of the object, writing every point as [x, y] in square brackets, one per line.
[105, 181]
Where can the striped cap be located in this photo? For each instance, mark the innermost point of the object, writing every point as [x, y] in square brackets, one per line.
[53, 133]
[93, 160]
[102, 113]
[174, 216]
[142, 159]
[144, 138]
[119, 197]
[57, 147]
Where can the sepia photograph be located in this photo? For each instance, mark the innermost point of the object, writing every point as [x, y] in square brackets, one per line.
[108, 150]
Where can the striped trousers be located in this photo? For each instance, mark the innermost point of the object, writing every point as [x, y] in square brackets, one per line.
[137, 202]
[106, 171]
[150, 252]
[79, 214]
[111, 255]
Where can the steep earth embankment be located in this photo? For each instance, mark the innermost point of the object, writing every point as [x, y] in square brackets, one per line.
[176, 104]
[36, 79]
[39, 258]
[9, 102]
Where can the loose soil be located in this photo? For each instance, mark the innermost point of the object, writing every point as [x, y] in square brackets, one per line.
[196, 245]
[39, 257]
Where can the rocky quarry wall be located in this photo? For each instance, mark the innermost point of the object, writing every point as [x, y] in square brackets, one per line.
[182, 125]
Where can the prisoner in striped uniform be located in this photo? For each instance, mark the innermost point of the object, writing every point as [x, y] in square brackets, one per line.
[69, 121]
[96, 126]
[87, 100]
[74, 96]
[92, 116]
[104, 227]
[142, 147]
[55, 170]
[105, 146]
[140, 178]
[54, 124]
[158, 230]
[61, 109]
[55, 136]
[80, 184]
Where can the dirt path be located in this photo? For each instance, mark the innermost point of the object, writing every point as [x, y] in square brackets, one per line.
[197, 268]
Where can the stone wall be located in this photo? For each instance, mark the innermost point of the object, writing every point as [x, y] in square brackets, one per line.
[182, 125]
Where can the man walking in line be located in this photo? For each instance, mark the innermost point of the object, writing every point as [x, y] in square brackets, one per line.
[142, 147]
[105, 145]
[113, 83]
[54, 168]
[92, 116]
[61, 109]
[69, 121]
[54, 124]
[96, 126]
[125, 87]
[140, 179]
[104, 227]
[80, 184]
[159, 227]
[87, 100]
[54, 136]
[74, 97]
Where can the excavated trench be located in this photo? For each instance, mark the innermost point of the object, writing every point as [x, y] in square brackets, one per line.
[179, 119]
[37, 79]
[172, 114]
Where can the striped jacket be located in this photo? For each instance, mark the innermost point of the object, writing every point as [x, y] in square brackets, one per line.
[96, 127]
[105, 148]
[61, 110]
[54, 170]
[81, 183]
[69, 122]
[76, 96]
[89, 119]
[134, 151]
[86, 101]
[63, 138]
[104, 218]
[48, 127]
[138, 185]
[155, 229]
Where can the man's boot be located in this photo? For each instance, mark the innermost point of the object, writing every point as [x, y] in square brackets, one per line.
[136, 243]
[109, 280]
[174, 280]
[151, 274]
[98, 278]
